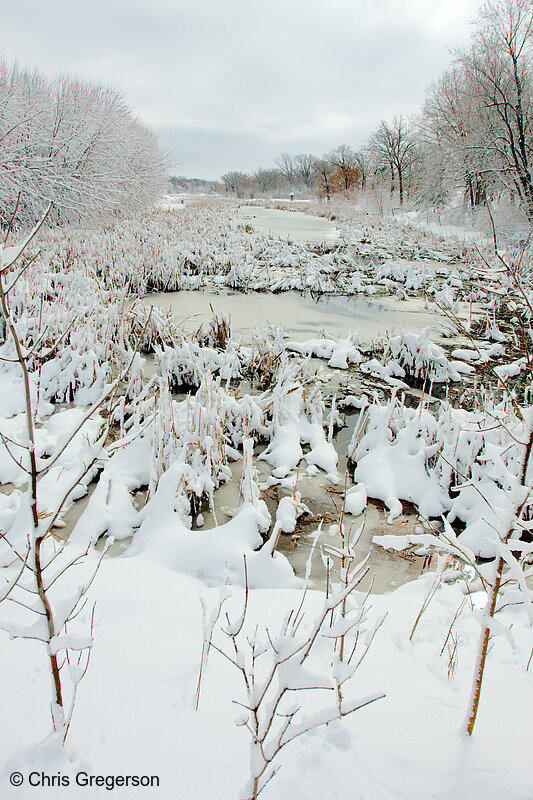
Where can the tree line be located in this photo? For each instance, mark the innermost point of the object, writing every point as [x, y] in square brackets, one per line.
[72, 144]
[472, 138]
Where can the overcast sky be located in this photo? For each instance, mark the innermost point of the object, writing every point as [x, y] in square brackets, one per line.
[230, 84]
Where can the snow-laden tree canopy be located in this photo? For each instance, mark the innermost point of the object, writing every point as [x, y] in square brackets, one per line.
[72, 143]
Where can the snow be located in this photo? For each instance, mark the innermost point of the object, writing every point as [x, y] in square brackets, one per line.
[145, 663]
[291, 225]
[393, 467]
[212, 555]
[510, 370]
[462, 368]
[289, 510]
[339, 352]
[420, 358]
[356, 499]
[297, 422]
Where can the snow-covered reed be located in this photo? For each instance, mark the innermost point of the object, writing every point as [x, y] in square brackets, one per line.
[454, 462]
[198, 245]
[420, 358]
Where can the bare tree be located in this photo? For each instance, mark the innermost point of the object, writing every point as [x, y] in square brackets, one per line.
[287, 166]
[393, 146]
[325, 171]
[235, 182]
[479, 113]
[267, 179]
[448, 128]
[75, 145]
[498, 83]
[362, 162]
[306, 168]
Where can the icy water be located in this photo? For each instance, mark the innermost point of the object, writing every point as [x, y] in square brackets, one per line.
[290, 225]
[386, 570]
[303, 317]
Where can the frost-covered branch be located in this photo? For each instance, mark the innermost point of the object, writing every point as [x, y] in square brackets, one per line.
[278, 671]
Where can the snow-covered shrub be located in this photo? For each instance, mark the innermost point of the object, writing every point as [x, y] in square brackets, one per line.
[296, 419]
[339, 352]
[152, 327]
[412, 276]
[392, 453]
[420, 357]
[218, 333]
[75, 332]
[193, 435]
[185, 364]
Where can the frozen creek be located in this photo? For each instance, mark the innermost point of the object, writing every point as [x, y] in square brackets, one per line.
[289, 225]
[386, 569]
[303, 317]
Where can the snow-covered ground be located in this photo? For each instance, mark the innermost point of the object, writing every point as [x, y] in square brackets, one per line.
[441, 227]
[136, 712]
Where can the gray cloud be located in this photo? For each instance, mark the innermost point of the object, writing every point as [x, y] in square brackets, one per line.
[229, 85]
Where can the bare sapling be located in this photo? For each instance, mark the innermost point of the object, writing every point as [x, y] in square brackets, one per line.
[509, 525]
[279, 670]
[209, 623]
[40, 561]
[343, 565]
[519, 489]
[505, 579]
